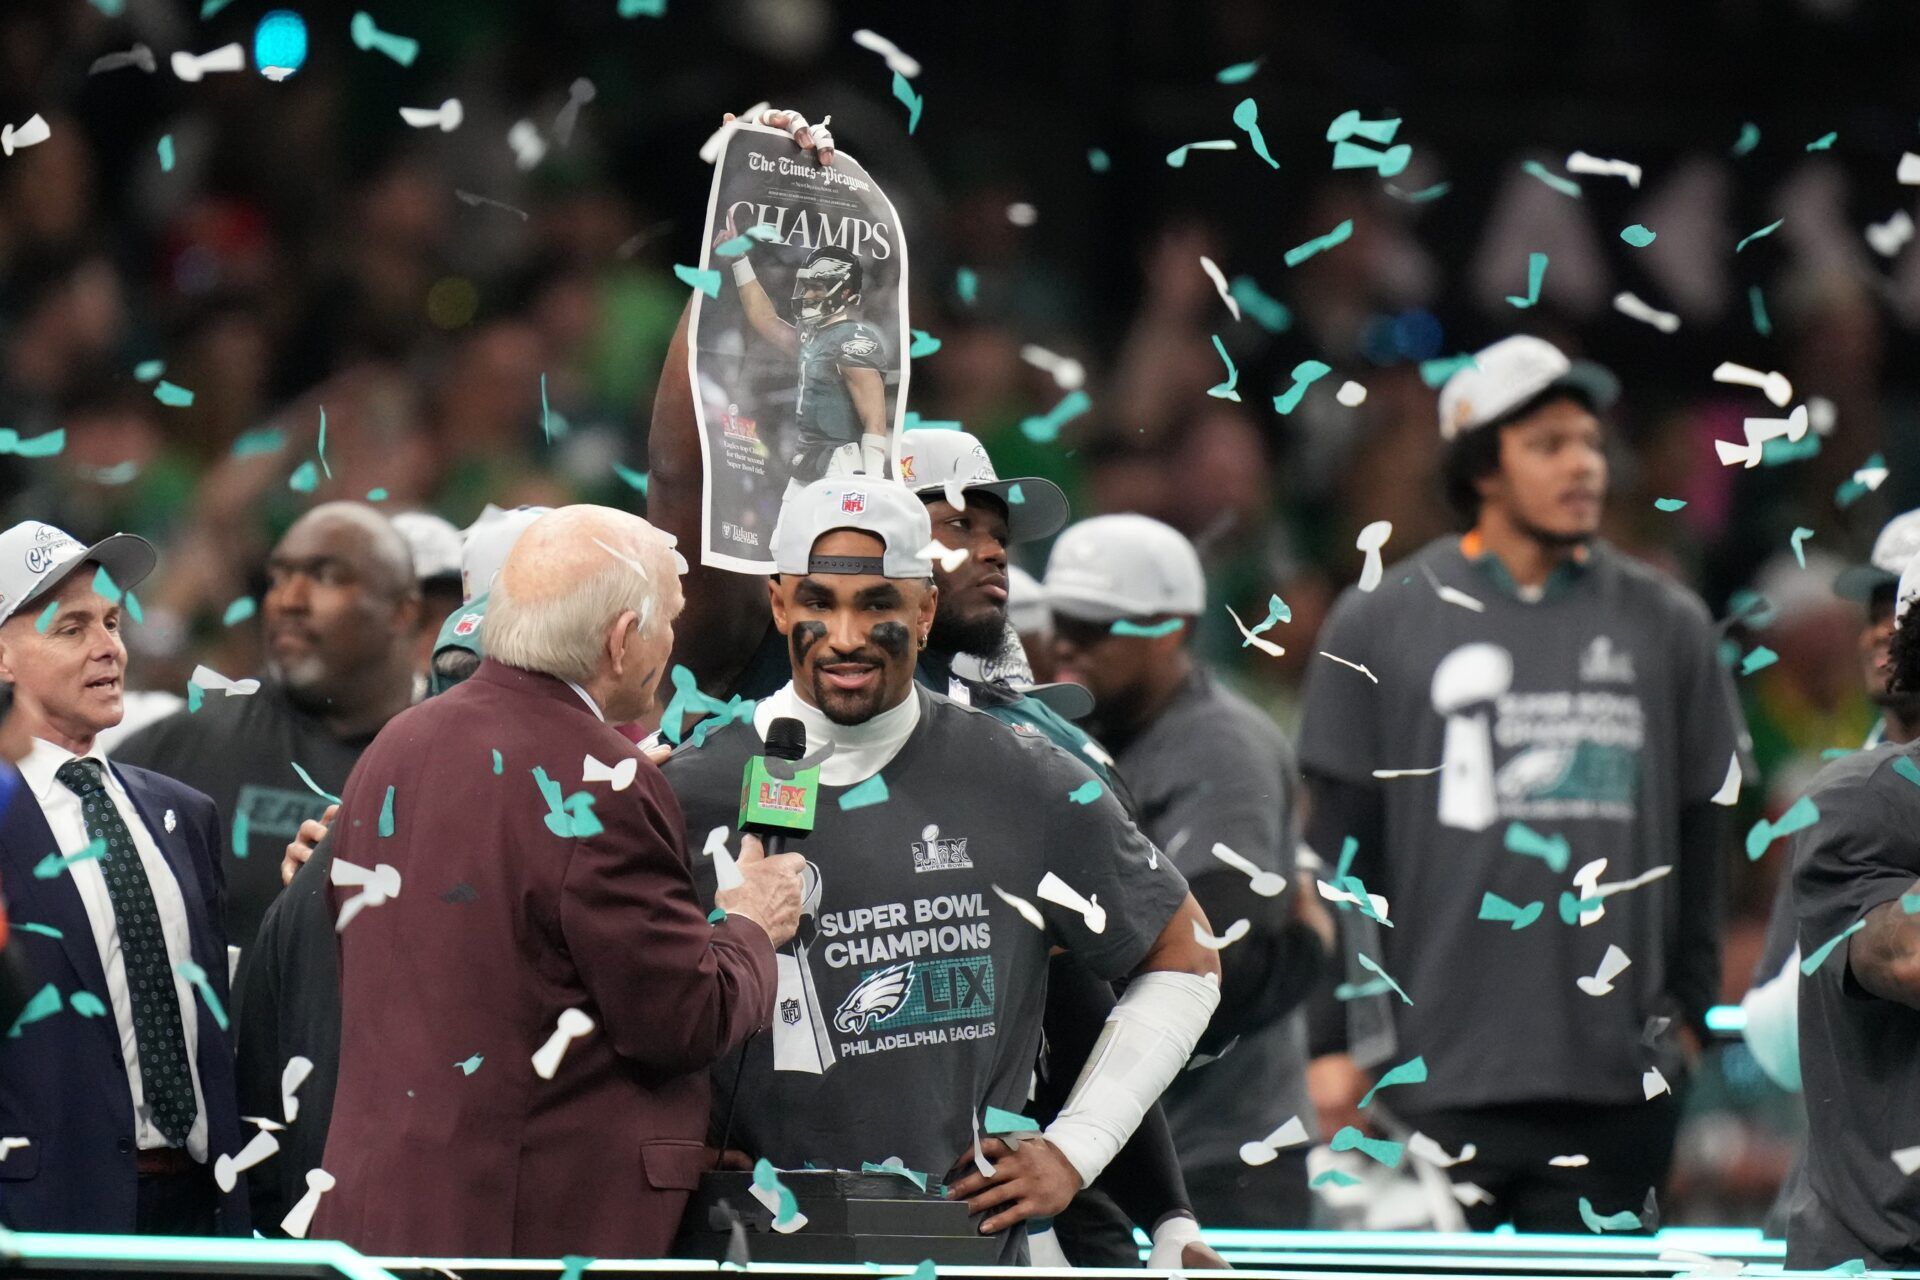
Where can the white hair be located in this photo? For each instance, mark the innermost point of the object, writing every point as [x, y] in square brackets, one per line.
[564, 633]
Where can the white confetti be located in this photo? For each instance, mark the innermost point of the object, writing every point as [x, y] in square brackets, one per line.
[1758, 431]
[1235, 931]
[1357, 666]
[1653, 1084]
[896, 60]
[1906, 1159]
[726, 875]
[34, 131]
[950, 559]
[228, 57]
[619, 776]
[1220, 285]
[1729, 792]
[12, 1144]
[1261, 643]
[1408, 773]
[1290, 1134]
[300, 1217]
[1630, 306]
[377, 887]
[227, 1169]
[529, 148]
[1569, 1162]
[1581, 162]
[292, 1076]
[1067, 373]
[1268, 884]
[572, 1024]
[980, 1161]
[1891, 236]
[1909, 171]
[1374, 900]
[1423, 1148]
[1471, 1193]
[1025, 908]
[1351, 394]
[1371, 539]
[1774, 385]
[446, 117]
[1055, 890]
[1612, 965]
[1022, 214]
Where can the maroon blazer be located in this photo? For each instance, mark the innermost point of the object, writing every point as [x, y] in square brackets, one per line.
[499, 925]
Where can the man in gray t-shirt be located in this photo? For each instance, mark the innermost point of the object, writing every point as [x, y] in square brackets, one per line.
[1208, 771]
[1522, 730]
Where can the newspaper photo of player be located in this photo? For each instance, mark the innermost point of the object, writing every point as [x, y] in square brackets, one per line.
[799, 361]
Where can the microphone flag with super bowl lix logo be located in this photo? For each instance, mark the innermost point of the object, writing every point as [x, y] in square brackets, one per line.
[797, 338]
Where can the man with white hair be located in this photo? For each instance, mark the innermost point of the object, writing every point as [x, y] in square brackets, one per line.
[526, 976]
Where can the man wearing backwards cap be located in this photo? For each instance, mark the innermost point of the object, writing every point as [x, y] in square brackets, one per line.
[912, 1000]
[1208, 769]
[1574, 703]
[127, 1101]
[1854, 873]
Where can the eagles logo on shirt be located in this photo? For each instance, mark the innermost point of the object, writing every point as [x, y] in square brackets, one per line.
[877, 997]
[859, 345]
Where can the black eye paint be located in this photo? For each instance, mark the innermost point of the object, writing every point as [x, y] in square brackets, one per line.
[805, 636]
[891, 636]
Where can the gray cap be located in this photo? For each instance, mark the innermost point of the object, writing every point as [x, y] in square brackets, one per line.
[1898, 543]
[1026, 601]
[1511, 372]
[932, 458]
[883, 508]
[1124, 566]
[487, 541]
[35, 557]
[434, 542]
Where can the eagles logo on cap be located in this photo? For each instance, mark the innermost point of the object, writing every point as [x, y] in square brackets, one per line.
[467, 625]
[853, 502]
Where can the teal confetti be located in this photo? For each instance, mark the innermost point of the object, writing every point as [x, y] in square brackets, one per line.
[1494, 907]
[1146, 631]
[196, 697]
[499, 762]
[688, 700]
[966, 283]
[265, 440]
[1748, 140]
[305, 477]
[376, 495]
[1337, 1177]
[1565, 186]
[1906, 768]
[1571, 908]
[1225, 391]
[1819, 957]
[1097, 160]
[717, 916]
[1362, 903]
[894, 1165]
[707, 282]
[1824, 142]
[210, 7]
[321, 448]
[1366, 962]
[367, 36]
[640, 9]
[1412, 1071]
[241, 834]
[1779, 451]
[148, 370]
[166, 153]
[546, 422]
[1305, 374]
[1552, 849]
[1621, 1221]
[471, 1065]
[636, 480]
[1351, 1139]
[903, 93]
[1851, 1267]
[1757, 302]
[1851, 490]
[45, 1003]
[1015, 494]
[171, 396]
[1239, 72]
[53, 864]
[914, 422]
[1246, 115]
[44, 930]
[118, 474]
[198, 977]
[1349, 850]
[1435, 372]
[45, 445]
[1759, 660]
[87, 1004]
[386, 814]
[572, 817]
[239, 611]
[1669, 504]
[45, 619]
[134, 610]
[1909, 903]
[313, 786]
[1086, 793]
[104, 585]
[1637, 236]
[998, 1121]
[114, 8]
[1045, 428]
[1277, 612]
[1767, 230]
[1536, 272]
[1360, 990]
[1801, 815]
[1798, 538]
[766, 1179]
[924, 344]
[1421, 196]
[1301, 252]
[1268, 312]
[871, 792]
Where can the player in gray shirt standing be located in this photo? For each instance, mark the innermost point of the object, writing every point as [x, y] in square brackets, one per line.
[1209, 771]
[1538, 703]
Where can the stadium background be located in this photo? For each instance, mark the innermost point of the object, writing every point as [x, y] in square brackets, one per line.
[307, 248]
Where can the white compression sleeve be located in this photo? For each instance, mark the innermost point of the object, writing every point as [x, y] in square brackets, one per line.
[742, 270]
[874, 451]
[1148, 1037]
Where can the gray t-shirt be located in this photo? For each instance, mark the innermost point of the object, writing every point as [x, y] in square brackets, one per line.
[920, 994]
[1593, 714]
[1213, 769]
[1859, 1054]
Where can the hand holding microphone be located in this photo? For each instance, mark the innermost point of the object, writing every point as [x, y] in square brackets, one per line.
[776, 804]
[769, 891]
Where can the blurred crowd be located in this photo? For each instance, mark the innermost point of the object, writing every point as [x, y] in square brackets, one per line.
[475, 323]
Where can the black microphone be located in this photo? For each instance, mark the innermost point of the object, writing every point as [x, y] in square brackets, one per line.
[776, 803]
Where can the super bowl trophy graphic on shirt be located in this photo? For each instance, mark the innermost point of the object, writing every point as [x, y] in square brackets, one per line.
[1464, 683]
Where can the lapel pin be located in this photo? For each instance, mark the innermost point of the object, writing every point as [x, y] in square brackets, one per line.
[170, 820]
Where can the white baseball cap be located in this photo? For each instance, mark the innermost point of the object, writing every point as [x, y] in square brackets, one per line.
[1897, 545]
[488, 540]
[931, 459]
[435, 544]
[36, 557]
[1026, 601]
[1511, 372]
[1124, 566]
[888, 510]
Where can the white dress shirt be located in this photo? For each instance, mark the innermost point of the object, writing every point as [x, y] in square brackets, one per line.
[587, 698]
[62, 810]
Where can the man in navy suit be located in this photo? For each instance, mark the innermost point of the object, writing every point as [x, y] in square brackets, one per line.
[119, 1073]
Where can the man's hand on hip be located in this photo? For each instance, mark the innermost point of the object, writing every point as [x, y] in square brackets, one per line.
[1034, 1182]
[769, 892]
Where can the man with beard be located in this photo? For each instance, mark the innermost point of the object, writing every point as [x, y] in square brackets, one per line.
[913, 1003]
[341, 613]
[1582, 725]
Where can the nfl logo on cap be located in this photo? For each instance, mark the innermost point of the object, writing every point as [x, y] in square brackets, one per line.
[467, 625]
[853, 502]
